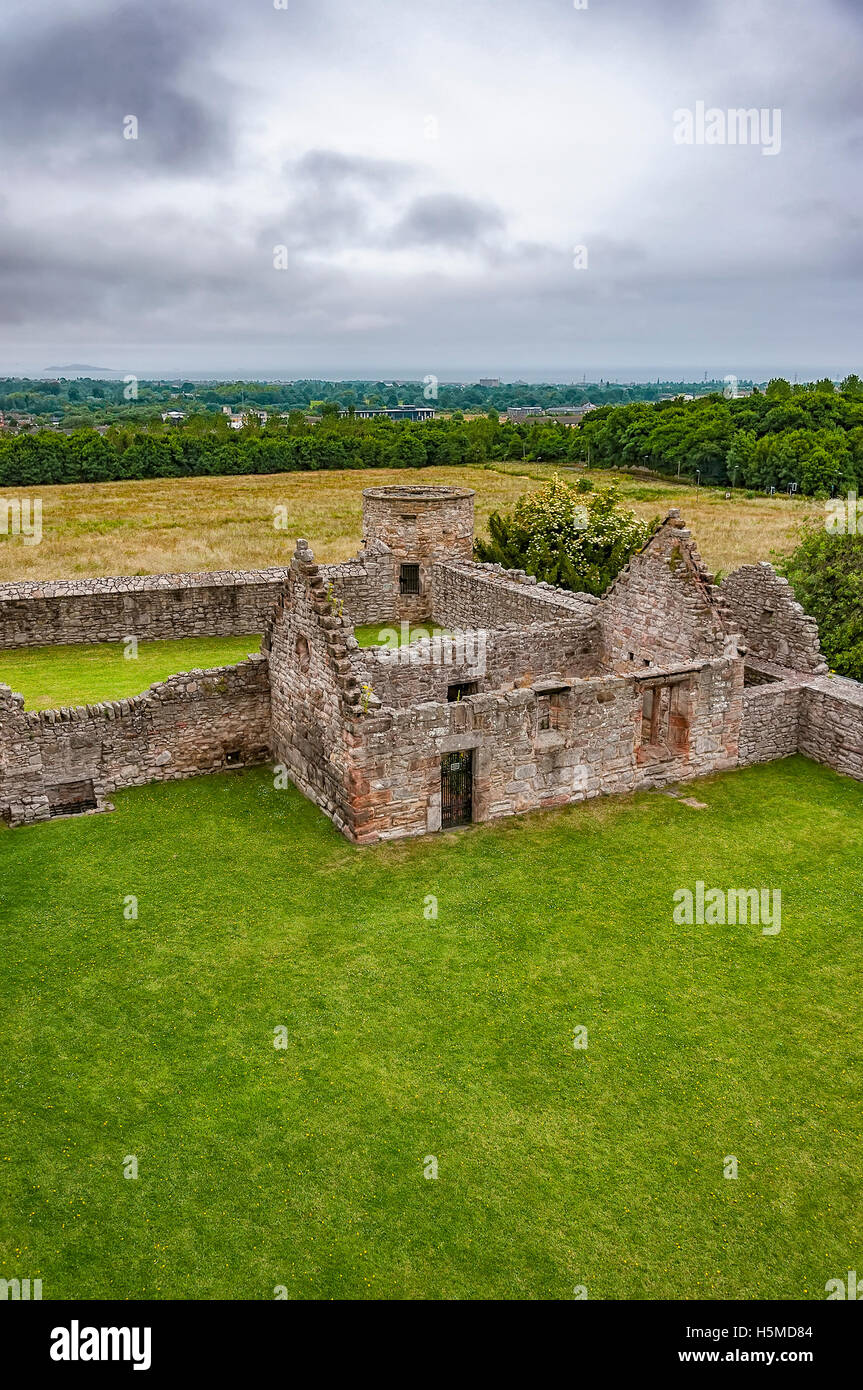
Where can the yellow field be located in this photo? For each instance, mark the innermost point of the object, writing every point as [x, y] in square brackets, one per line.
[182, 524]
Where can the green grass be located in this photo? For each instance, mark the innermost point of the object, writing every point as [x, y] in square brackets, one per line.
[51, 677]
[452, 1037]
[373, 634]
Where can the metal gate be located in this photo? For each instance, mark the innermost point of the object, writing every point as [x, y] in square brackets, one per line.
[456, 785]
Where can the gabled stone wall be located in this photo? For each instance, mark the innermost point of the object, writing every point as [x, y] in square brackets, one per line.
[773, 624]
[314, 689]
[663, 607]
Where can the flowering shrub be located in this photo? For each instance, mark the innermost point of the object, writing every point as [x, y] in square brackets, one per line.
[578, 540]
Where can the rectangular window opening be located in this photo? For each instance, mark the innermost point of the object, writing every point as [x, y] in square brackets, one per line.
[409, 579]
[460, 690]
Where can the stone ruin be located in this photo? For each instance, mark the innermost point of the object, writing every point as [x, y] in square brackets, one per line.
[528, 697]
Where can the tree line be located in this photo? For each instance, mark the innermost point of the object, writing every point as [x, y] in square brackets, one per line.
[201, 449]
[811, 436]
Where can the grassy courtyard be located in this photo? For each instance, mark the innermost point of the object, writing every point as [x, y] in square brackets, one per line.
[51, 677]
[410, 1037]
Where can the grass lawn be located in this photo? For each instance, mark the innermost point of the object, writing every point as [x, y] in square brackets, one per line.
[179, 524]
[409, 1038]
[374, 634]
[50, 677]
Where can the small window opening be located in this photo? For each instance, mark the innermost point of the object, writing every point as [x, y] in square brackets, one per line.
[460, 690]
[409, 579]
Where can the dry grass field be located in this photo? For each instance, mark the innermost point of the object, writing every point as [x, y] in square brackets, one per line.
[187, 524]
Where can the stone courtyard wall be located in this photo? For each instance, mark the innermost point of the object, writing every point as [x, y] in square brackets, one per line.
[771, 718]
[831, 724]
[225, 604]
[199, 722]
[496, 660]
[472, 595]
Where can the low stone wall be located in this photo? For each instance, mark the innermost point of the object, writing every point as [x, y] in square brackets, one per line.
[762, 606]
[831, 724]
[366, 587]
[771, 718]
[494, 660]
[198, 722]
[473, 595]
[226, 604]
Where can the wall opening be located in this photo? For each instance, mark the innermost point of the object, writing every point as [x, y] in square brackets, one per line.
[460, 690]
[409, 579]
[71, 798]
[456, 778]
[665, 718]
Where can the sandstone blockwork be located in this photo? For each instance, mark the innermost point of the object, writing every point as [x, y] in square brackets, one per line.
[521, 696]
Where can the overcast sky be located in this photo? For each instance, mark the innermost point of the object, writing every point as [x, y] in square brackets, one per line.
[429, 168]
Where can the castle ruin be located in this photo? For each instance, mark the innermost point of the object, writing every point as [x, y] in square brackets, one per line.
[530, 697]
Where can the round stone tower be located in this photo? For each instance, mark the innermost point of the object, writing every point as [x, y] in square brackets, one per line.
[421, 526]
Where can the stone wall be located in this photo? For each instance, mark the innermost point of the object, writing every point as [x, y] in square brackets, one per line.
[474, 595]
[225, 604]
[202, 721]
[663, 606]
[367, 587]
[773, 625]
[831, 724]
[314, 689]
[771, 718]
[596, 747]
[494, 660]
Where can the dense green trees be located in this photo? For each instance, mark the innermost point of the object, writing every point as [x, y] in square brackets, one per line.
[826, 573]
[578, 539]
[205, 444]
[811, 436]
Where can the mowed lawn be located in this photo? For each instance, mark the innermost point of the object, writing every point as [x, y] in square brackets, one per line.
[52, 677]
[411, 1037]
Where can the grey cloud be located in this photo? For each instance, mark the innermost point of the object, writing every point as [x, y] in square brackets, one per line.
[66, 90]
[446, 220]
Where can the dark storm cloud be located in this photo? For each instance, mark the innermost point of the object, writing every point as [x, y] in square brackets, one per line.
[65, 90]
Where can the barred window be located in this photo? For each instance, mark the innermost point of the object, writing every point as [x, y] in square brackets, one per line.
[409, 579]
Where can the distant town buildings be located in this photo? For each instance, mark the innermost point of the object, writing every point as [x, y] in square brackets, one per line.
[561, 415]
[237, 419]
[400, 412]
[489, 381]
